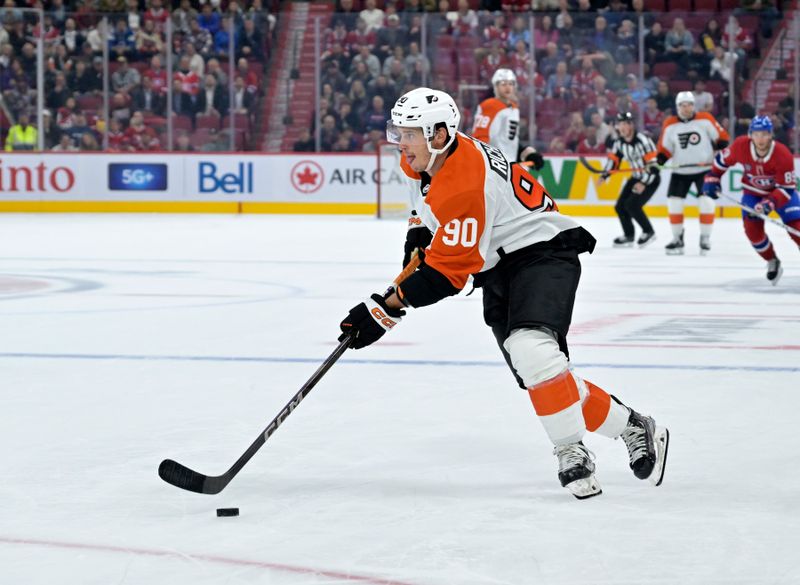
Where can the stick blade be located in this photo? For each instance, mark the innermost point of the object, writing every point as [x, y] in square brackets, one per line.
[181, 476]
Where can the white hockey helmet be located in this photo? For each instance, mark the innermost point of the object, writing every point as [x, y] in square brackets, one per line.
[684, 97]
[424, 108]
[504, 75]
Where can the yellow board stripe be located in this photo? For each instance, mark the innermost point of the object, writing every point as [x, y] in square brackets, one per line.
[589, 210]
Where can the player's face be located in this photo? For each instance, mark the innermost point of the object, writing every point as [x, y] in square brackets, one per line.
[413, 145]
[505, 90]
[686, 109]
[761, 139]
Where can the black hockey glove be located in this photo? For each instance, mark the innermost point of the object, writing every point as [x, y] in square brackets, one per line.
[531, 155]
[417, 237]
[661, 159]
[367, 322]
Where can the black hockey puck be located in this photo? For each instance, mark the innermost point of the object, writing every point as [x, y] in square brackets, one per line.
[227, 512]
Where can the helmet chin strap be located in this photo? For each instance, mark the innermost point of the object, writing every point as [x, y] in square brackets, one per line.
[436, 152]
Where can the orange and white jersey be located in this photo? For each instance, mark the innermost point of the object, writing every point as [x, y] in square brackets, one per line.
[497, 123]
[479, 206]
[691, 141]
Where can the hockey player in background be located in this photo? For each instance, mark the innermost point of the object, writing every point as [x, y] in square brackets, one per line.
[640, 151]
[497, 121]
[491, 219]
[690, 138]
[768, 183]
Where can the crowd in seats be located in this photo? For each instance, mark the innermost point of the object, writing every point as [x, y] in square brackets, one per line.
[586, 66]
[138, 85]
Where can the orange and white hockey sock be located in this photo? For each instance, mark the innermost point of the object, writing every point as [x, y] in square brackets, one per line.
[706, 207]
[602, 414]
[558, 404]
[675, 207]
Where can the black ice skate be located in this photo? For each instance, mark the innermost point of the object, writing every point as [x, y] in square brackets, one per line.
[623, 242]
[774, 271]
[705, 245]
[646, 238]
[675, 247]
[576, 470]
[647, 447]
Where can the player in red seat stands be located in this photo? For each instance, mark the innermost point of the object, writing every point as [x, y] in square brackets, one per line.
[768, 183]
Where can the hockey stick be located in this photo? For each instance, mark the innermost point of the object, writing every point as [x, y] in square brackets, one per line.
[181, 476]
[762, 216]
[592, 169]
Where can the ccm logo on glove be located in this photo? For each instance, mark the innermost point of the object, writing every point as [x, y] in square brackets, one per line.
[381, 316]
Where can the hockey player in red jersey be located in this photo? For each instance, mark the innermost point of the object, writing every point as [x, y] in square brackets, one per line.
[491, 219]
[768, 183]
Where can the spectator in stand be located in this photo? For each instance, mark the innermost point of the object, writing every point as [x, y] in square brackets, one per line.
[196, 62]
[252, 41]
[465, 21]
[305, 142]
[117, 140]
[372, 15]
[243, 98]
[703, 100]
[72, 38]
[617, 80]
[329, 133]
[497, 31]
[184, 104]
[133, 15]
[765, 10]
[723, 65]
[157, 74]
[637, 93]
[785, 111]
[548, 63]
[214, 68]
[568, 35]
[224, 37]
[653, 119]
[213, 99]
[697, 63]
[627, 42]
[183, 16]
[559, 84]
[575, 132]
[494, 60]
[65, 145]
[711, 37]
[209, 19]
[88, 143]
[583, 80]
[136, 130]
[358, 97]
[664, 98]
[157, 14]
[202, 40]
[604, 130]
[28, 57]
[390, 36]
[148, 41]
[383, 87]
[334, 77]
[584, 15]
[520, 62]
[590, 143]
[360, 73]
[248, 75]
[375, 137]
[120, 108]
[125, 78]
[344, 14]
[360, 37]
[350, 119]
[122, 41]
[236, 16]
[149, 143]
[397, 75]
[519, 32]
[547, 33]
[375, 116]
[148, 99]
[264, 21]
[415, 30]
[371, 61]
[625, 104]
[734, 34]
[78, 128]
[184, 144]
[599, 90]
[415, 57]
[59, 93]
[20, 98]
[678, 41]
[557, 146]
[601, 40]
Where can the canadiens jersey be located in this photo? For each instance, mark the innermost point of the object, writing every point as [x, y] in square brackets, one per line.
[691, 141]
[761, 175]
[478, 206]
[497, 123]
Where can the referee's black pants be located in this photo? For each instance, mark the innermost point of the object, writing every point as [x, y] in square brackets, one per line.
[630, 206]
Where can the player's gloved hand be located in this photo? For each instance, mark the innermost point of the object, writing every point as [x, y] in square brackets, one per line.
[367, 322]
[661, 159]
[418, 237]
[604, 176]
[711, 186]
[531, 155]
[765, 206]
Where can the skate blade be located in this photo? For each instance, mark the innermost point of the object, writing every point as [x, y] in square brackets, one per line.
[584, 488]
[676, 252]
[775, 280]
[628, 245]
[704, 252]
[661, 439]
[647, 243]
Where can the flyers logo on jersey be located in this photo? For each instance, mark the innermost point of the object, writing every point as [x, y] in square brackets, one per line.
[381, 317]
[687, 138]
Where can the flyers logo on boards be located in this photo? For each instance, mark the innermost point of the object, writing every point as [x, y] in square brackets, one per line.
[137, 177]
[307, 176]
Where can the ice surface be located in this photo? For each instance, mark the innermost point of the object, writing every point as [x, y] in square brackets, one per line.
[128, 339]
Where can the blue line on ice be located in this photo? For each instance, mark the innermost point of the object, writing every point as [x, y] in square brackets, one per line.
[379, 362]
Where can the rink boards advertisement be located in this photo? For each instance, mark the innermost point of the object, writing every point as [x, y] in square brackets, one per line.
[264, 183]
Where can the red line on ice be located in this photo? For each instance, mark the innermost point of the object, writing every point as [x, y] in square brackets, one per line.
[204, 557]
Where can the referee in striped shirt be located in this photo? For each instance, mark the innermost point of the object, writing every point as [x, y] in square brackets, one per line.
[640, 151]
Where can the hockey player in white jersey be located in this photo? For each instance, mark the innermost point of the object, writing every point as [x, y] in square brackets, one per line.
[497, 121]
[491, 219]
[690, 140]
